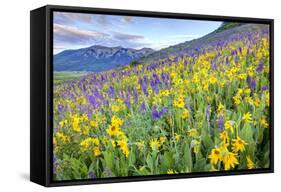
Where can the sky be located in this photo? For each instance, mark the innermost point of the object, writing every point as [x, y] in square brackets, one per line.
[79, 30]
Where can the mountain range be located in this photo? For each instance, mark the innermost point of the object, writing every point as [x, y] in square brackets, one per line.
[97, 58]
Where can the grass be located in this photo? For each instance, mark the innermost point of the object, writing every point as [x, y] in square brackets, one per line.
[63, 76]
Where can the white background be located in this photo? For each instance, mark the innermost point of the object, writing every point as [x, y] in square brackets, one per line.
[14, 94]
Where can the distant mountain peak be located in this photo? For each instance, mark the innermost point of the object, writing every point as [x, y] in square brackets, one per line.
[97, 58]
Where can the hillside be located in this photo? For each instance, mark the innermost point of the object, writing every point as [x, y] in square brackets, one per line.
[212, 39]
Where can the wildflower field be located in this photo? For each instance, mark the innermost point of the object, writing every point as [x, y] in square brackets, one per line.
[203, 109]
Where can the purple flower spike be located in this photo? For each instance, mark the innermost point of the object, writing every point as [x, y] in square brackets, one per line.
[252, 83]
[264, 88]
[260, 67]
[220, 122]
[111, 93]
[208, 111]
[158, 114]
[143, 108]
[135, 95]
[60, 108]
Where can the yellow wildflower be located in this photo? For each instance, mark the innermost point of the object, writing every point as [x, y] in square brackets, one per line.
[267, 98]
[238, 145]
[164, 93]
[113, 143]
[213, 79]
[236, 99]
[257, 102]
[62, 137]
[94, 124]
[62, 123]
[97, 151]
[88, 143]
[264, 123]
[224, 137]
[140, 145]
[247, 91]
[177, 137]
[215, 156]
[179, 103]
[115, 108]
[247, 117]
[229, 125]
[154, 144]
[123, 146]
[230, 160]
[250, 163]
[185, 114]
[249, 100]
[170, 171]
[220, 108]
[75, 124]
[113, 130]
[116, 121]
[162, 140]
[192, 133]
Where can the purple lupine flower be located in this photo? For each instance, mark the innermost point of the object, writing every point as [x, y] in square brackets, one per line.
[220, 122]
[260, 67]
[264, 88]
[158, 114]
[143, 84]
[96, 92]
[156, 79]
[60, 108]
[91, 175]
[143, 107]
[226, 61]
[163, 111]
[185, 65]
[135, 95]
[252, 83]
[122, 94]
[154, 85]
[165, 77]
[128, 99]
[113, 74]
[110, 92]
[93, 101]
[208, 111]
[55, 164]
[213, 66]
[240, 50]
[155, 113]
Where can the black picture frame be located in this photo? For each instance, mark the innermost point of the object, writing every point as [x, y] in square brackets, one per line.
[41, 75]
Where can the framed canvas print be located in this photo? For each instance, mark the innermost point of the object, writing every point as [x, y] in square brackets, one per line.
[120, 95]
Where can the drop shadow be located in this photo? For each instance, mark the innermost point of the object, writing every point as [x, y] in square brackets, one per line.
[24, 176]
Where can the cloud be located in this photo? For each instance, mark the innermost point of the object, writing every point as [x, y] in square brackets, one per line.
[127, 19]
[68, 37]
[69, 18]
[72, 35]
[102, 20]
[126, 37]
